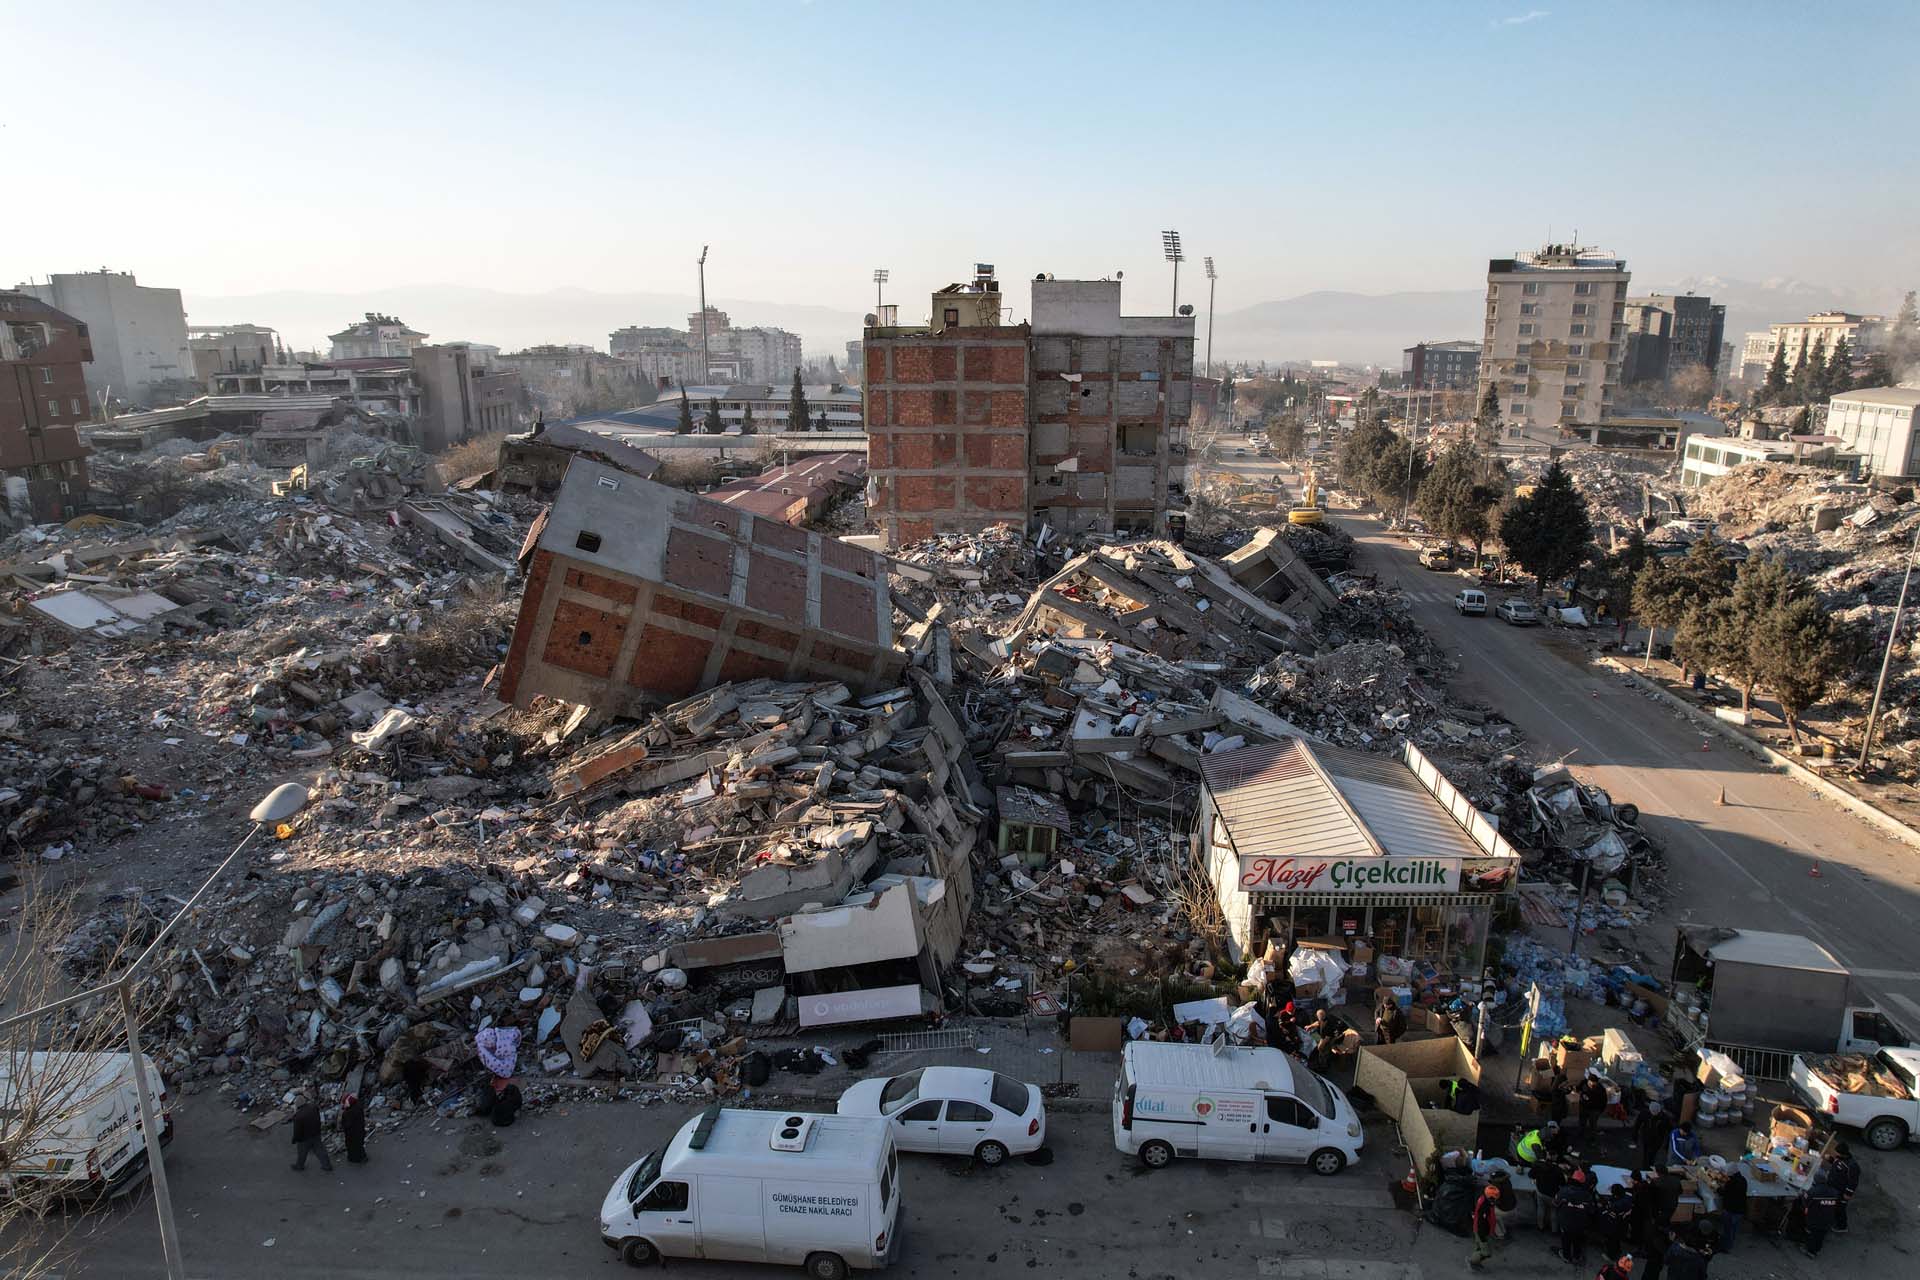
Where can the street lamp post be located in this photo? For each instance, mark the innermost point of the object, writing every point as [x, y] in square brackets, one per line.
[280, 804]
[1886, 659]
[1170, 241]
[705, 370]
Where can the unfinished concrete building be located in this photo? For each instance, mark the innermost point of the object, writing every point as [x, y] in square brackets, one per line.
[638, 593]
[946, 414]
[1077, 421]
[1111, 399]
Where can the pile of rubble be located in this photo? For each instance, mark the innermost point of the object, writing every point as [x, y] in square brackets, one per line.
[1614, 484]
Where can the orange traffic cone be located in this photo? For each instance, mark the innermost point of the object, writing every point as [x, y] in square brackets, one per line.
[1814, 871]
[1723, 797]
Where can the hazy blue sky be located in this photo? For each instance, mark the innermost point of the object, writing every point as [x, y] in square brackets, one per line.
[247, 148]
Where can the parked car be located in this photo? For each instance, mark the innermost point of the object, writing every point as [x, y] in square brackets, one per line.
[954, 1111]
[1518, 613]
[1872, 1094]
[1437, 557]
[1470, 601]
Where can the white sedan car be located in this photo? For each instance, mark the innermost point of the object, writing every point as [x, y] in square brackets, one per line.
[955, 1111]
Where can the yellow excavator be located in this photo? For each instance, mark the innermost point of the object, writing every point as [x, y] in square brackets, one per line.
[1309, 511]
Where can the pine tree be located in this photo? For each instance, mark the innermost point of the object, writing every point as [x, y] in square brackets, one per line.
[1809, 369]
[714, 424]
[820, 423]
[1548, 532]
[1904, 339]
[1797, 655]
[797, 406]
[686, 415]
[1774, 390]
[1879, 371]
[746, 421]
[1839, 371]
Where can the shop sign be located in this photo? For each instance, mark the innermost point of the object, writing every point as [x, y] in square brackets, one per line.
[1350, 875]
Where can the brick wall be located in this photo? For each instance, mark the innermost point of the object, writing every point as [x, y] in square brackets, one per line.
[947, 430]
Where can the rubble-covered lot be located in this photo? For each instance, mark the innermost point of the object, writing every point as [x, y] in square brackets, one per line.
[680, 900]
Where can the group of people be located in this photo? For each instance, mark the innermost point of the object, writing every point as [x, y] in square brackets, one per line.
[1633, 1220]
[498, 1100]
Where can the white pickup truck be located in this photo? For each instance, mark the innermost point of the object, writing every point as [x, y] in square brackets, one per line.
[1885, 1105]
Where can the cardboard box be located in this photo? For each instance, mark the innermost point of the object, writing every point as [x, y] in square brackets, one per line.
[1097, 1035]
[1572, 1061]
[1438, 1023]
[1362, 953]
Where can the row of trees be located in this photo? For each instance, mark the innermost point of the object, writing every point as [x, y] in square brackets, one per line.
[1757, 625]
[711, 423]
[1816, 374]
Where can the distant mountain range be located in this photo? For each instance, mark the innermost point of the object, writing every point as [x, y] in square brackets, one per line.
[1357, 328]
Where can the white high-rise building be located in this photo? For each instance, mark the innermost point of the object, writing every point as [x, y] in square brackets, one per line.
[1554, 337]
[139, 333]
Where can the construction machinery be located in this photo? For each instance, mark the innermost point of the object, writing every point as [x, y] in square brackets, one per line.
[1308, 511]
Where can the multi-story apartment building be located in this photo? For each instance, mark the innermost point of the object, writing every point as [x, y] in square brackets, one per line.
[1882, 425]
[1665, 333]
[377, 337]
[43, 399]
[1077, 421]
[766, 354]
[1555, 329]
[139, 334]
[1441, 366]
[1822, 331]
[230, 348]
[461, 397]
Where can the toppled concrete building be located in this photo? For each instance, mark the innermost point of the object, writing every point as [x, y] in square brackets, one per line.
[638, 593]
[535, 462]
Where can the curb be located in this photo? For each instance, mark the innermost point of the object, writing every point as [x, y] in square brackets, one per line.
[1782, 763]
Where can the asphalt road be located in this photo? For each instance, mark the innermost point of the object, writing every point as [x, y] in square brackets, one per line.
[1744, 864]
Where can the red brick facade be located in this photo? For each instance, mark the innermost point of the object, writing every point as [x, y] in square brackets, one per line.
[43, 399]
[947, 429]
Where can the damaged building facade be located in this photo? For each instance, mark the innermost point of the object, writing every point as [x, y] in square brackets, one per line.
[637, 592]
[1076, 421]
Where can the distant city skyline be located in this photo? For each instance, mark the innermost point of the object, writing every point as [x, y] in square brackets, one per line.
[1395, 148]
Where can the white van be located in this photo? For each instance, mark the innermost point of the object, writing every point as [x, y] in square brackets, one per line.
[84, 1117]
[822, 1192]
[1470, 601]
[1221, 1102]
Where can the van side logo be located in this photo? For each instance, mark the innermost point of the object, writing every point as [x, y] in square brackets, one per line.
[1203, 1107]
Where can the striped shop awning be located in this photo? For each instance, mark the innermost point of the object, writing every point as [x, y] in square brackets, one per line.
[1263, 900]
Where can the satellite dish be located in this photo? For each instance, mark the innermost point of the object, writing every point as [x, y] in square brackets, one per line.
[872, 320]
[1186, 308]
[1040, 275]
[1119, 275]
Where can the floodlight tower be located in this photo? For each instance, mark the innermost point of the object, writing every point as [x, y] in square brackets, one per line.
[1211, 277]
[1170, 240]
[705, 368]
[879, 279]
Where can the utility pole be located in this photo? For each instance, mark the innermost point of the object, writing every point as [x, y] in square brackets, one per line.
[879, 279]
[1211, 277]
[705, 364]
[1170, 241]
[1886, 659]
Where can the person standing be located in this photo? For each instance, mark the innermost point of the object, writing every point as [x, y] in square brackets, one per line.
[1843, 1171]
[1733, 1208]
[307, 1136]
[1558, 1092]
[1616, 1219]
[1654, 1245]
[1485, 1221]
[1390, 1020]
[1548, 1178]
[1572, 1212]
[1685, 1260]
[1656, 1128]
[1823, 1203]
[1682, 1146]
[1593, 1104]
[353, 1128]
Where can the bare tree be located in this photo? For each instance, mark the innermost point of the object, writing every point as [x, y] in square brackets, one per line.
[51, 1072]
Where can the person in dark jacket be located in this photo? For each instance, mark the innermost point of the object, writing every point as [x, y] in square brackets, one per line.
[1593, 1104]
[1655, 1129]
[1733, 1208]
[1616, 1219]
[1621, 1268]
[353, 1128]
[1389, 1020]
[1558, 1092]
[1822, 1204]
[1653, 1248]
[307, 1137]
[1685, 1260]
[506, 1101]
[1682, 1146]
[1548, 1177]
[1573, 1213]
[1843, 1171]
